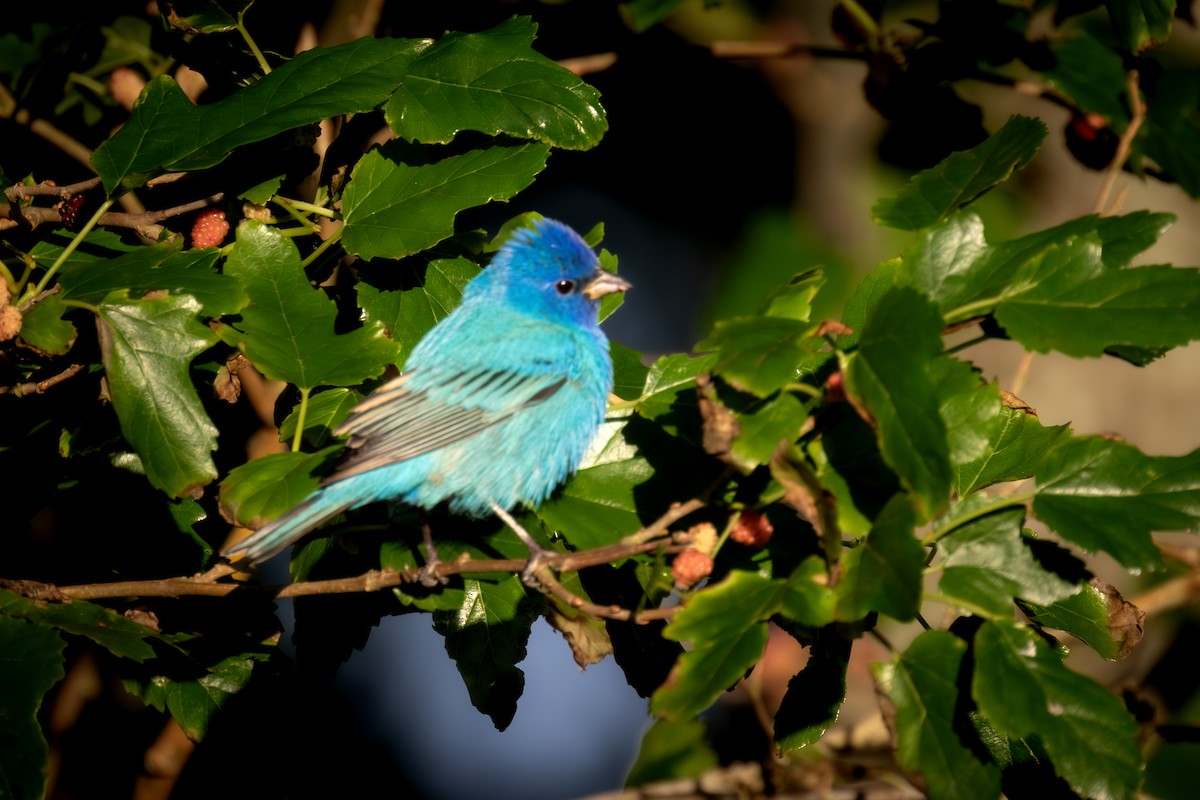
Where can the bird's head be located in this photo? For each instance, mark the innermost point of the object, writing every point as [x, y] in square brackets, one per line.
[549, 271]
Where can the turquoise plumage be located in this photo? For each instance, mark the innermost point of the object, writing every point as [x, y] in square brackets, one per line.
[498, 402]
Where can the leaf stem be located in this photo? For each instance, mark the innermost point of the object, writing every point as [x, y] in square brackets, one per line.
[333, 239]
[300, 205]
[258, 54]
[300, 419]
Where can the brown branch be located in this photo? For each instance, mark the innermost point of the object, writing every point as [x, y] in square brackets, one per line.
[37, 387]
[205, 584]
[677, 511]
[1124, 144]
[18, 192]
[145, 223]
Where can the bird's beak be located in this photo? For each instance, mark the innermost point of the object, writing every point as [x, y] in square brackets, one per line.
[603, 283]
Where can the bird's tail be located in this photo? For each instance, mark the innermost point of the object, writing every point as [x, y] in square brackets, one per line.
[268, 540]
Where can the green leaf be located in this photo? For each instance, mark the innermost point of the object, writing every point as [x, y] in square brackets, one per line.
[113, 631]
[326, 411]
[815, 694]
[160, 267]
[1012, 451]
[759, 355]
[962, 177]
[1097, 615]
[411, 312]
[32, 664]
[672, 749]
[883, 572]
[1024, 690]
[1142, 24]
[670, 383]
[208, 16]
[1091, 73]
[970, 408]
[633, 469]
[958, 269]
[146, 346]
[889, 378]
[1106, 495]
[287, 329]
[394, 209]
[495, 83]
[486, 636]
[645, 14]
[1074, 305]
[194, 703]
[727, 624]
[168, 133]
[986, 564]
[931, 739]
[264, 488]
[1173, 140]
[775, 420]
[43, 326]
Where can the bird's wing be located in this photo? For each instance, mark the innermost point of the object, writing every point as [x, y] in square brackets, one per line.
[435, 406]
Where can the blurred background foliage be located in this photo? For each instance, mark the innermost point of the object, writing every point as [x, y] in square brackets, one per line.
[746, 141]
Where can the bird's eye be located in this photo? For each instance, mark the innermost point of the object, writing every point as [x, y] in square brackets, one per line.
[564, 287]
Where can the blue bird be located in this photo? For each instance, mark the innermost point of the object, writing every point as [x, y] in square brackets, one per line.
[497, 404]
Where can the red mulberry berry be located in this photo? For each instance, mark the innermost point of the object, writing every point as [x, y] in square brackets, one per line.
[210, 228]
[753, 529]
[690, 566]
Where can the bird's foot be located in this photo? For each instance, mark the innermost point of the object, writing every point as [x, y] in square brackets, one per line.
[538, 555]
[427, 576]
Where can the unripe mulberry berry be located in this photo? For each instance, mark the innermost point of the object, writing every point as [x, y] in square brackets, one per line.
[210, 228]
[753, 529]
[10, 322]
[690, 566]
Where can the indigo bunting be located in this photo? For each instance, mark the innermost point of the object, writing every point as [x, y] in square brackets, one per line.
[497, 404]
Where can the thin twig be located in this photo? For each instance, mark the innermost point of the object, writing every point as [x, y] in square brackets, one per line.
[1124, 144]
[38, 387]
[373, 580]
[20, 191]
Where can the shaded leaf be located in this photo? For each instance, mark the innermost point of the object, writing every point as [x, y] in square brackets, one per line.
[32, 664]
[146, 346]
[264, 488]
[410, 313]
[194, 703]
[326, 411]
[815, 694]
[986, 564]
[167, 132]
[111, 630]
[931, 738]
[888, 378]
[1142, 24]
[1024, 690]
[672, 749]
[883, 572]
[486, 637]
[728, 625]
[962, 177]
[43, 326]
